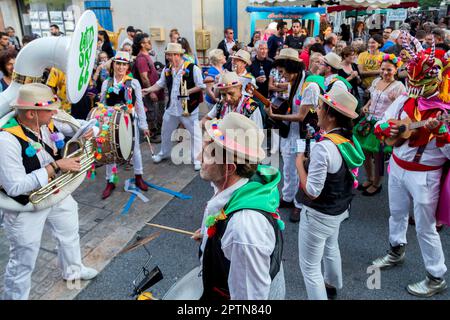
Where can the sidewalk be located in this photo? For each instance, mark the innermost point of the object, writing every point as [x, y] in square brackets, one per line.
[103, 230]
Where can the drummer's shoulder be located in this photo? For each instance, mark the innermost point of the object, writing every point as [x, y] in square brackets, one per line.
[249, 225]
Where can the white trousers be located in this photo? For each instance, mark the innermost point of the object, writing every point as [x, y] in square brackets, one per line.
[422, 189]
[290, 178]
[318, 241]
[24, 232]
[136, 159]
[192, 125]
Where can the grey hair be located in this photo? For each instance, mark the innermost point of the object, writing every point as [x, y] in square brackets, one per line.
[309, 41]
[260, 42]
[215, 55]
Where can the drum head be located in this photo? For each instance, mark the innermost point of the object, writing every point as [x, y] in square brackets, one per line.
[190, 287]
[125, 136]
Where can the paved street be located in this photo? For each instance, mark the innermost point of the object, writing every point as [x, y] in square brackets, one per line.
[363, 237]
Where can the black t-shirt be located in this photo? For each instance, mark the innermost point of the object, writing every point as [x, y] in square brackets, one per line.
[273, 44]
[255, 68]
[442, 46]
[294, 42]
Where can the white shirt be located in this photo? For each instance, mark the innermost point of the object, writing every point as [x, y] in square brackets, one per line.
[175, 108]
[255, 116]
[289, 145]
[139, 104]
[432, 155]
[229, 45]
[325, 158]
[13, 177]
[125, 41]
[248, 243]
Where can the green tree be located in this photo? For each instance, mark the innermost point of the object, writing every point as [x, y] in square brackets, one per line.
[425, 4]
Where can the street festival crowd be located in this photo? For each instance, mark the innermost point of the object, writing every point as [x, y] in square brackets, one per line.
[332, 104]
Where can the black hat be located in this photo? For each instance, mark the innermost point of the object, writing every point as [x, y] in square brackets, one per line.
[130, 29]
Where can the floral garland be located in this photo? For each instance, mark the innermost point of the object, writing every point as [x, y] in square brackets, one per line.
[391, 58]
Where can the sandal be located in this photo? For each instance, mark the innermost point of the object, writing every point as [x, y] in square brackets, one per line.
[363, 187]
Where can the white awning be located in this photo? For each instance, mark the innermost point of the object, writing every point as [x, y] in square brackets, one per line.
[270, 1]
[370, 3]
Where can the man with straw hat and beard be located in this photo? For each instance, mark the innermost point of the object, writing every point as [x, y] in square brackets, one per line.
[233, 100]
[241, 232]
[172, 77]
[31, 145]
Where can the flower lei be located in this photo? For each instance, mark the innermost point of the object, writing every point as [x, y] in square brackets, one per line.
[121, 86]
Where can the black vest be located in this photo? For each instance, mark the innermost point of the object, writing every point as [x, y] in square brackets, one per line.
[194, 99]
[216, 267]
[114, 98]
[246, 112]
[336, 194]
[31, 163]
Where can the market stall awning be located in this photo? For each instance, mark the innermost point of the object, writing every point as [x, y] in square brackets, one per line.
[401, 5]
[369, 3]
[294, 12]
[270, 1]
[287, 10]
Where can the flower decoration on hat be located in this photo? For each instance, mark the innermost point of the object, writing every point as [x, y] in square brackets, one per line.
[216, 131]
[223, 85]
[46, 103]
[390, 58]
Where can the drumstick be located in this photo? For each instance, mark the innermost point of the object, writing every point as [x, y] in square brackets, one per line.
[150, 145]
[170, 229]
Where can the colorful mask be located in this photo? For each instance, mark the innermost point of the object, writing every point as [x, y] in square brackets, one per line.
[424, 70]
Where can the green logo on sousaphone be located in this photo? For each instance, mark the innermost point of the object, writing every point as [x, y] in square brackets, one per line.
[86, 47]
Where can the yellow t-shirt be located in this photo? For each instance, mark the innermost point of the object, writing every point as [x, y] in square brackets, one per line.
[370, 62]
[57, 80]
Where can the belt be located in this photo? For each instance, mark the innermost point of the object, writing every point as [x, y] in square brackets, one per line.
[413, 166]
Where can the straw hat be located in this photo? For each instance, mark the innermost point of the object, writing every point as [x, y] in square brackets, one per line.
[333, 60]
[342, 101]
[288, 54]
[243, 55]
[228, 80]
[36, 96]
[122, 56]
[174, 48]
[238, 135]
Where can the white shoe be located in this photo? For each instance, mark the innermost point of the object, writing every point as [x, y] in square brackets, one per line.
[85, 274]
[88, 273]
[197, 167]
[157, 158]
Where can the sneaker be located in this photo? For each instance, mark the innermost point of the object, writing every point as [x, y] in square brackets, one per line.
[157, 158]
[88, 273]
[85, 274]
[428, 287]
[395, 256]
[197, 167]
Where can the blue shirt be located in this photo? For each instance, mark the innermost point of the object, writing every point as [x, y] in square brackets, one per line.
[387, 45]
[212, 72]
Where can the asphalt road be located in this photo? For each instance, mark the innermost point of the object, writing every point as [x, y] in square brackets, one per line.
[363, 237]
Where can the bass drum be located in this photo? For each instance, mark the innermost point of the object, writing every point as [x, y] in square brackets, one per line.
[119, 141]
[190, 287]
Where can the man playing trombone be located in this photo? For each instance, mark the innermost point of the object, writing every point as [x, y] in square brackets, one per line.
[177, 76]
[31, 147]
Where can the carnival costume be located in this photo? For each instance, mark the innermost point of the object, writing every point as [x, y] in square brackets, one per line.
[331, 169]
[416, 167]
[125, 93]
[247, 106]
[242, 241]
[364, 130]
[188, 76]
[24, 156]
